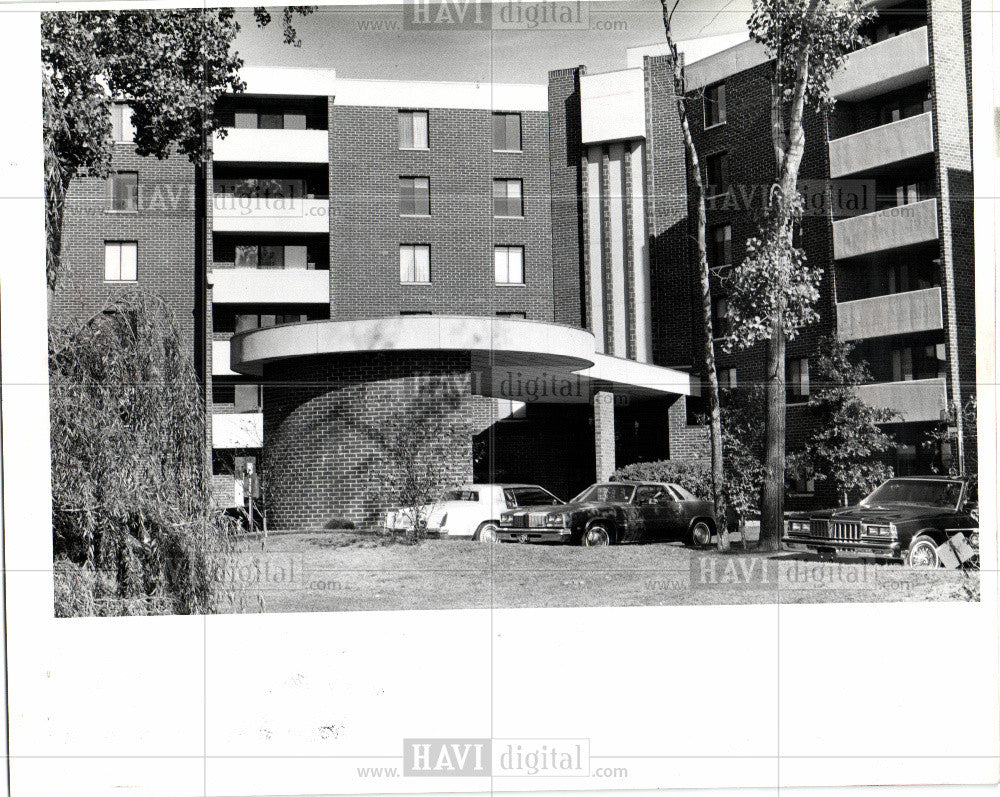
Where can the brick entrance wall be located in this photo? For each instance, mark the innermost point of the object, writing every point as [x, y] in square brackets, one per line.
[323, 418]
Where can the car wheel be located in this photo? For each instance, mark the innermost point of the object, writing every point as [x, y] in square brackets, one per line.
[700, 534]
[487, 531]
[923, 553]
[595, 537]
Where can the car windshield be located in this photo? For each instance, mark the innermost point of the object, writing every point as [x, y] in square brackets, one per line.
[532, 496]
[612, 493]
[920, 492]
[460, 495]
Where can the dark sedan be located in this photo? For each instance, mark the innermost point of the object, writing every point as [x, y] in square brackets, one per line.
[615, 512]
[906, 519]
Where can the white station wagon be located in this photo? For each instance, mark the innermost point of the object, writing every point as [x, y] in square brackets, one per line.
[472, 510]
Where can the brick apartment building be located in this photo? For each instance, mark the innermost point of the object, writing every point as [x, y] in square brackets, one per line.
[516, 260]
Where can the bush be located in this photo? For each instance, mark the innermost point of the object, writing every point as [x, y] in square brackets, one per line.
[339, 523]
[693, 476]
[132, 524]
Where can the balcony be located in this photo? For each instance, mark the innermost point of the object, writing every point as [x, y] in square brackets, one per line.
[916, 401]
[884, 66]
[613, 106]
[270, 214]
[237, 430]
[269, 286]
[891, 228]
[881, 146]
[245, 145]
[895, 314]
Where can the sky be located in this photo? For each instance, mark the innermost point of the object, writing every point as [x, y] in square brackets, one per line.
[371, 42]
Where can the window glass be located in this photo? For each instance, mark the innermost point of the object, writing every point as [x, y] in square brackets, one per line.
[272, 257]
[271, 121]
[508, 265]
[246, 119]
[715, 105]
[246, 256]
[123, 191]
[507, 132]
[120, 261]
[247, 398]
[413, 129]
[533, 496]
[414, 263]
[507, 200]
[797, 380]
[721, 252]
[717, 174]
[460, 495]
[122, 129]
[414, 196]
[296, 257]
[295, 121]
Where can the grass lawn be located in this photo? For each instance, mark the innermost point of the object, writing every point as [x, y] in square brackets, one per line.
[342, 571]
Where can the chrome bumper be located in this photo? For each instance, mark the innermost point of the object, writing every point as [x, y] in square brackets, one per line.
[509, 534]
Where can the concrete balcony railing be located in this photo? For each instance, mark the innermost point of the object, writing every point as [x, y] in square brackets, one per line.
[271, 146]
[891, 228]
[270, 214]
[894, 314]
[269, 286]
[220, 359]
[881, 146]
[884, 66]
[237, 430]
[915, 401]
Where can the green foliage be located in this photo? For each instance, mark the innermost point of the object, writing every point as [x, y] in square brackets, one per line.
[170, 65]
[814, 35]
[847, 437]
[131, 511]
[743, 447]
[773, 281]
[694, 476]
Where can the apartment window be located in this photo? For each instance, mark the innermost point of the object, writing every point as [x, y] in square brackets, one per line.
[727, 378]
[121, 261]
[271, 121]
[414, 196]
[415, 312]
[797, 380]
[413, 130]
[290, 318]
[248, 398]
[507, 132]
[252, 120]
[508, 265]
[717, 174]
[910, 277]
[721, 252]
[415, 264]
[295, 121]
[715, 105]
[123, 192]
[720, 320]
[919, 362]
[507, 199]
[272, 256]
[121, 123]
[245, 120]
[511, 314]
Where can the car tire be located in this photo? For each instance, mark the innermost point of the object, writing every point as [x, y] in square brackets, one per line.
[699, 535]
[923, 553]
[596, 536]
[487, 532]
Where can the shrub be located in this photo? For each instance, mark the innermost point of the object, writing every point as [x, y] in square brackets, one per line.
[132, 524]
[339, 523]
[694, 476]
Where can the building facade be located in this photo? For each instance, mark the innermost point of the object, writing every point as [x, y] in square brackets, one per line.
[510, 268]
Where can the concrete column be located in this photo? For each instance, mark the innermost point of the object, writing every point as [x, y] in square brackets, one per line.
[604, 434]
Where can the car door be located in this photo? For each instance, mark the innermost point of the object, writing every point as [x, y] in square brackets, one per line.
[652, 510]
[675, 513]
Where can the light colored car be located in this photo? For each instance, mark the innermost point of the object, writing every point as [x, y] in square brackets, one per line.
[472, 510]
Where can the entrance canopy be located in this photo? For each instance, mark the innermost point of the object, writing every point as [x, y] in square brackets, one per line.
[509, 356]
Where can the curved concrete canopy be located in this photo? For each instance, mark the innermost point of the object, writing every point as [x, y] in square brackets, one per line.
[495, 343]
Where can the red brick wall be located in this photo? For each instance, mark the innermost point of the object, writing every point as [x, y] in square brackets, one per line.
[366, 228]
[164, 228]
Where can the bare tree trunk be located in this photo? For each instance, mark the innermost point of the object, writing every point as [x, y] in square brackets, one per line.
[773, 493]
[714, 414]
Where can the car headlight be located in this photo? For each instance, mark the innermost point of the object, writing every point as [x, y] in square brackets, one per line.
[797, 527]
[555, 521]
[883, 530]
[506, 520]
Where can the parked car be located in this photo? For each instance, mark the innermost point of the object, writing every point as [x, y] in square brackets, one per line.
[472, 510]
[905, 519]
[615, 512]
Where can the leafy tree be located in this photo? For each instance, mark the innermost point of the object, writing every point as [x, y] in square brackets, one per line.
[774, 290]
[847, 437]
[708, 335]
[743, 447]
[133, 532]
[170, 65]
[941, 441]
